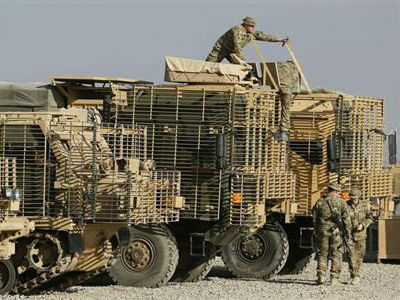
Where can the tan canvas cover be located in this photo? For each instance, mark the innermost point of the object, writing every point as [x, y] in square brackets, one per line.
[185, 65]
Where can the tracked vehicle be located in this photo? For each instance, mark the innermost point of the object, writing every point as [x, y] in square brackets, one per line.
[12, 228]
[81, 190]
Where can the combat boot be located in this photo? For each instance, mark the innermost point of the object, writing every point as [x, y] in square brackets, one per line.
[320, 280]
[356, 280]
[334, 281]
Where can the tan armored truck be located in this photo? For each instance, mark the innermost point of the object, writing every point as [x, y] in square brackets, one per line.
[248, 197]
[216, 133]
[78, 191]
[334, 137]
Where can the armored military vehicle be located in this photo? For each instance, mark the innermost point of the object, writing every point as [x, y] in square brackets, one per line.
[75, 189]
[242, 199]
[202, 150]
[215, 130]
[335, 137]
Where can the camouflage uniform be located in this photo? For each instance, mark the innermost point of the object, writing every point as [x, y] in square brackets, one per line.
[359, 214]
[329, 240]
[230, 44]
[288, 78]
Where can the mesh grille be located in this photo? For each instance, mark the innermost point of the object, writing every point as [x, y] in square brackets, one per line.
[23, 148]
[97, 174]
[184, 127]
[251, 194]
[351, 126]
[359, 122]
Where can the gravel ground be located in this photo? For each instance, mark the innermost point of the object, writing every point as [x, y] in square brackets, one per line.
[381, 281]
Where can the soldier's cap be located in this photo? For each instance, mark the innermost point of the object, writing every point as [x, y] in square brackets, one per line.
[335, 186]
[355, 193]
[249, 21]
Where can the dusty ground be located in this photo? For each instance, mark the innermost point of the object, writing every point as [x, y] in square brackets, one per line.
[381, 281]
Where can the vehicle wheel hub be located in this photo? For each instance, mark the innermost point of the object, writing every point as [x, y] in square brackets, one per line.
[252, 248]
[43, 252]
[138, 255]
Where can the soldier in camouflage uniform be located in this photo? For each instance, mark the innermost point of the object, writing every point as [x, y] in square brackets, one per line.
[288, 78]
[327, 234]
[230, 44]
[360, 218]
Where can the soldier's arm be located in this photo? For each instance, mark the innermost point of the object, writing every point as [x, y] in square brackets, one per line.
[368, 217]
[346, 219]
[314, 212]
[237, 60]
[236, 48]
[238, 57]
[262, 36]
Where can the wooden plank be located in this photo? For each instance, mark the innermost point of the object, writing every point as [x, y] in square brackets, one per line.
[291, 52]
[388, 239]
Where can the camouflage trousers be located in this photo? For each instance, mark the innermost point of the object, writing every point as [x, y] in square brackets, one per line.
[357, 255]
[218, 56]
[286, 105]
[333, 245]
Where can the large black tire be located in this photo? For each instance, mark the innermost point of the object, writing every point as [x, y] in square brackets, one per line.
[192, 268]
[102, 279]
[262, 255]
[148, 260]
[297, 261]
[8, 276]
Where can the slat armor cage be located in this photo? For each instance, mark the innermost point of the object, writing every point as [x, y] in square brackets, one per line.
[338, 135]
[219, 138]
[67, 167]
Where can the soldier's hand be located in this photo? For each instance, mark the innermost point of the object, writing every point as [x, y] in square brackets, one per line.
[284, 41]
[247, 66]
[350, 241]
[360, 227]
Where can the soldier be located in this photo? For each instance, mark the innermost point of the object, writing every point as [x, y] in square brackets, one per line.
[230, 44]
[328, 234]
[360, 218]
[288, 78]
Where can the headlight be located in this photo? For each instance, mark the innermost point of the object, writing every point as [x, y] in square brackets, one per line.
[13, 194]
[9, 192]
[17, 194]
[375, 201]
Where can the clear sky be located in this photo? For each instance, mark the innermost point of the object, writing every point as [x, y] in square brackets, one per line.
[352, 46]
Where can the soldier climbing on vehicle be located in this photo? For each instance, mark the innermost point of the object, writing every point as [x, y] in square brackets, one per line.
[230, 44]
[325, 212]
[288, 79]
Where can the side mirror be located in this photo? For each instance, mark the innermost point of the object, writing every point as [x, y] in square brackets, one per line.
[392, 148]
[221, 150]
[333, 156]
[375, 201]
